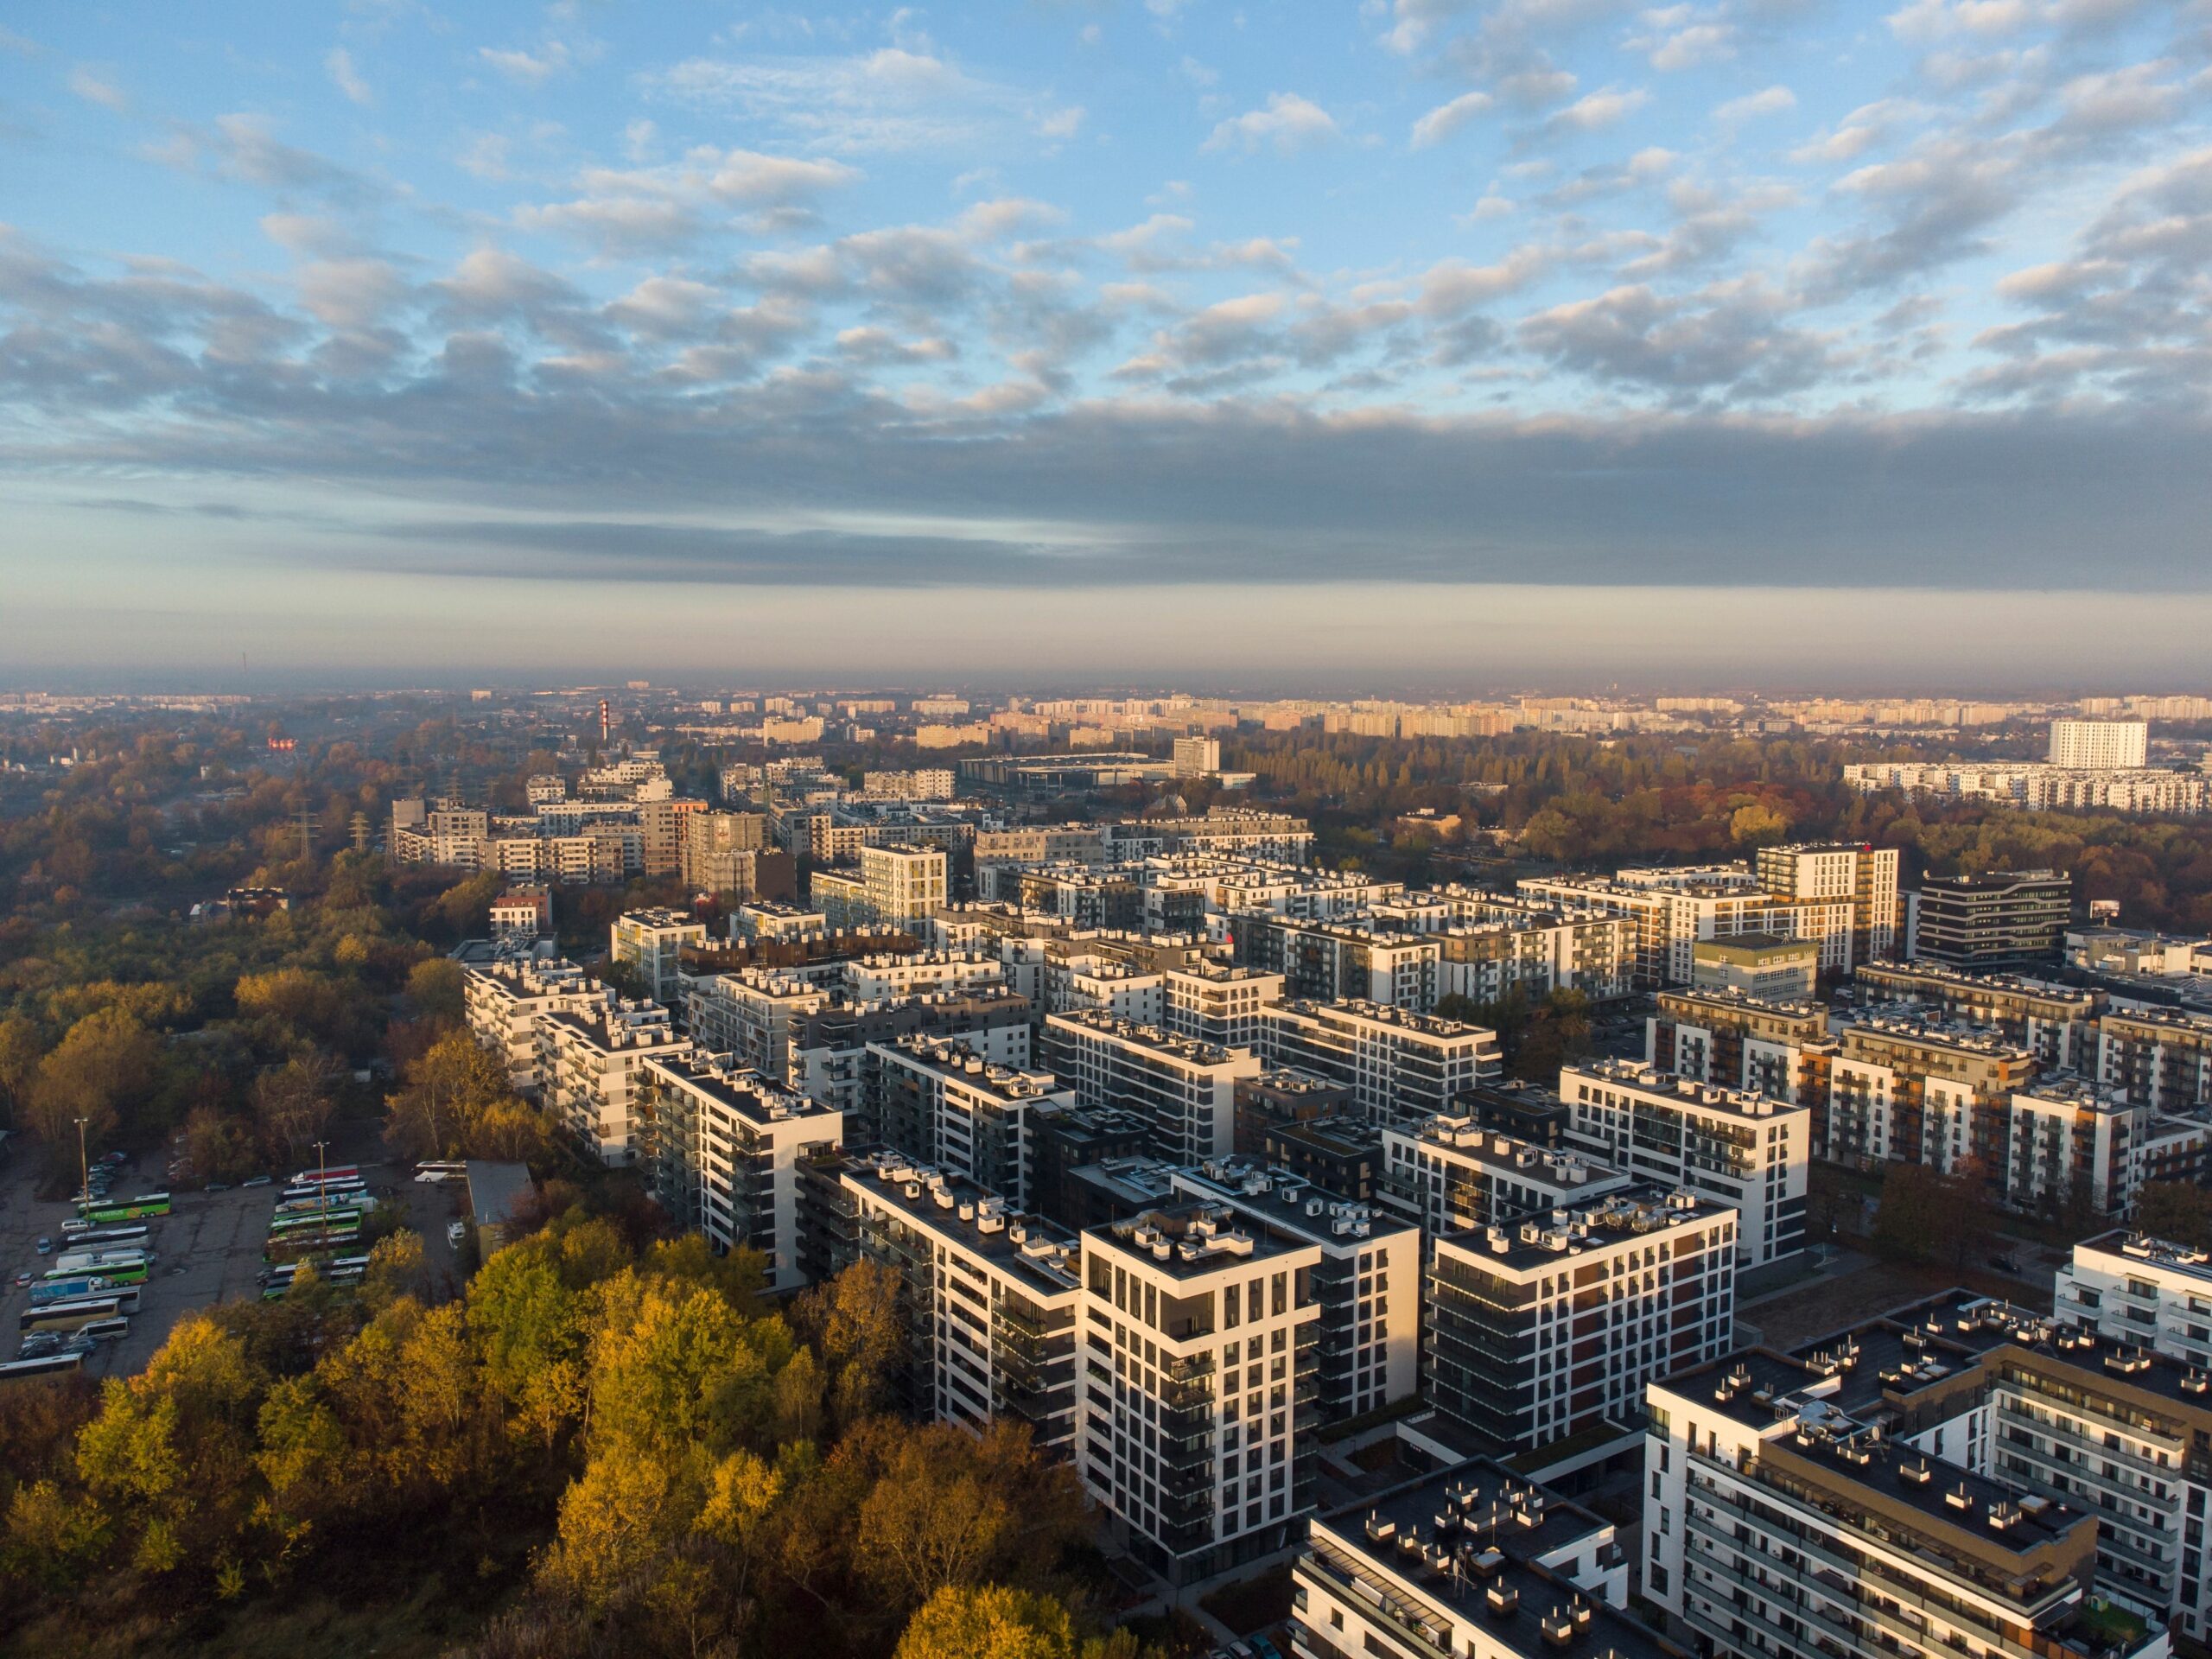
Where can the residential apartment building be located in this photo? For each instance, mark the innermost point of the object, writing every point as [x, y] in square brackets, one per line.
[2160, 1058]
[726, 1149]
[1586, 951]
[1195, 1401]
[2042, 788]
[591, 1066]
[1186, 1089]
[990, 1298]
[2056, 1023]
[1196, 757]
[502, 1003]
[1470, 1560]
[2100, 745]
[1401, 1067]
[1999, 919]
[1541, 1328]
[1331, 962]
[828, 1049]
[1367, 1283]
[2144, 1291]
[942, 1105]
[1739, 1042]
[1864, 877]
[649, 942]
[520, 915]
[750, 1015]
[2075, 1143]
[1673, 909]
[721, 851]
[1218, 1002]
[902, 885]
[1451, 1175]
[1922, 1092]
[1794, 1504]
[1741, 1149]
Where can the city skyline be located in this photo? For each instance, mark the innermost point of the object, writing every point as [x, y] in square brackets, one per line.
[1416, 343]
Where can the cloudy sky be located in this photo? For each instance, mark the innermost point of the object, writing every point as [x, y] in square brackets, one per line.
[1468, 342]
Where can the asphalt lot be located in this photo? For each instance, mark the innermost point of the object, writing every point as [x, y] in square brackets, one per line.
[208, 1249]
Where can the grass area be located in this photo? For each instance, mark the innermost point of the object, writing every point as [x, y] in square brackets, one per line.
[1799, 1316]
[1409, 1405]
[2110, 1624]
[1252, 1604]
[1583, 1439]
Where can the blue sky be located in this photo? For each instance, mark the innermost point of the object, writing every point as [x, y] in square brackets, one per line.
[725, 335]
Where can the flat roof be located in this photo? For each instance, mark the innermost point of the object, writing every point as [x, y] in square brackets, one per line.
[1192, 1238]
[1623, 1215]
[1495, 1527]
[1026, 1248]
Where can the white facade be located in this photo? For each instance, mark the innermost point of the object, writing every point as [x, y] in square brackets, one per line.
[1197, 1366]
[592, 1067]
[502, 1003]
[1743, 1150]
[651, 942]
[1184, 1088]
[1401, 1068]
[2100, 745]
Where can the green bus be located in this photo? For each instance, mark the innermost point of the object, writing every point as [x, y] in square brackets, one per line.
[309, 1220]
[116, 1273]
[143, 1208]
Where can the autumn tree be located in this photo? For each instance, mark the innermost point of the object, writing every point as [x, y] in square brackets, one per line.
[293, 1103]
[853, 1324]
[104, 1069]
[987, 1622]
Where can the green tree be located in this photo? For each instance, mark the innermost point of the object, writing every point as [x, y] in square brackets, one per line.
[104, 1069]
[2177, 1211]
[435, 985]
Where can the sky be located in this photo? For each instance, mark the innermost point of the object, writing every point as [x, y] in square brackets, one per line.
[1532, 341]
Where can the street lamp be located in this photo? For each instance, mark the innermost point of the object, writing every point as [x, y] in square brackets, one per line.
[84, 1171]
[322, 1187]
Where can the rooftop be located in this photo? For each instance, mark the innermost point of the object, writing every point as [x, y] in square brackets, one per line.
[1284, 1200]
[1636, 1074]
[1537, 1243]
[956, 1061]
[744, 1092]
[1192, 1238]
[1189, 1049]
[1470, 1541]
[1025, 1247]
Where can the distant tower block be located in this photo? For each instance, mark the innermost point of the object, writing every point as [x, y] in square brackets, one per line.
[602, 722]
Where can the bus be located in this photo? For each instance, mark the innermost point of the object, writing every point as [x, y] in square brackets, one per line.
[96, 1261]
[294, 1246]
[144, 1207]
[116, 1273]
[104, 1238]
[63, 1290]
[311, 1192]
[434, 1171]
[70, 1316]
[20, 1371]
[324, 1176]
[307, 1220]
[323, 1201]
[341, 1270]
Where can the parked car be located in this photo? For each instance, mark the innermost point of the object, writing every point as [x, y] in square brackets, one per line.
[455, 1232]
[1265, 1649]
[22, 1279]
[45, 1246]
[119, 1157]
[255, 1181]
[216, 1186]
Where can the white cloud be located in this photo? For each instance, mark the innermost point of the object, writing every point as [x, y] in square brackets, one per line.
[1287, 124]
[1772, 101]
[1599, 109]
[1445, 119]
[347, 77]
[528, 68]
[889, 100]
[97, 88]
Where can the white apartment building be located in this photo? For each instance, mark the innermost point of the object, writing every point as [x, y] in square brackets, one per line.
[502, 1001]
[991, 1297]
[1788, 1512]
[1471, 1562]
[749, 1015]
[1214, 1002]
[1539, 1328]
[921, 784]
[1195, 1392]
[1196, 757]
[1827, 873]
[1185, 1089]
[1401, 1068]
[828, 1049]
[651, 942]
[1450, 1174]
[943, 1105]
[1673, 909]
[727, 1144]
[2142, 1291]
[921, 973]
[2100, 745]
[592, 1066]
[2159, 1057]
[1746, 1150]
[1366, 1283]
[902, 885]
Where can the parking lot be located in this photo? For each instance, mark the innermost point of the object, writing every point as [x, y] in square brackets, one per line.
[208, 1249]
